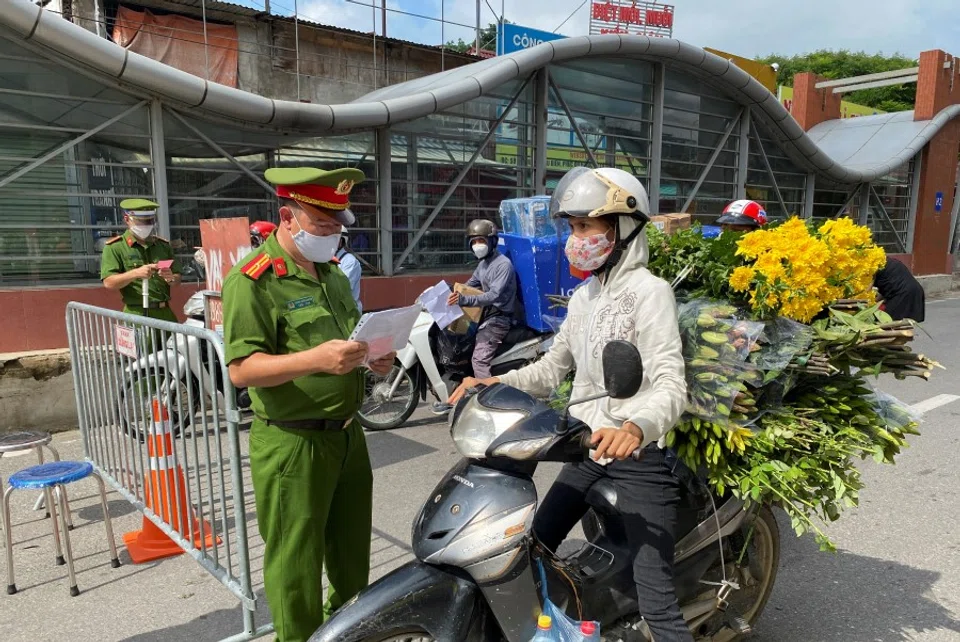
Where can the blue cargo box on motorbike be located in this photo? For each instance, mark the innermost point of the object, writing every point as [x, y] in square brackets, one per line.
[535, 260]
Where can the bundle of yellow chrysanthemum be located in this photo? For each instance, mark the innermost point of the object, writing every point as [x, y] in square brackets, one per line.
[794, 270]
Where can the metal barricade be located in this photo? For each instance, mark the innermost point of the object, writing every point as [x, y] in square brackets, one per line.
[131, 374]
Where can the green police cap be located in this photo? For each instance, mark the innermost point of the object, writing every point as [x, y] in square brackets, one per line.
[327, 189]
[139, 207]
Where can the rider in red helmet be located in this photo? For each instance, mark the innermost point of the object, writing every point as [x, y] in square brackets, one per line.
[742, 216]
[259, 231]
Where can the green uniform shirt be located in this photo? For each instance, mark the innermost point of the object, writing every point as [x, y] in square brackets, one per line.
[128, 253]
[282, 314]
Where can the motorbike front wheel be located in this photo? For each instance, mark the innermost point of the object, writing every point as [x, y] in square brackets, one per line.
[139, 392]
[381, 410]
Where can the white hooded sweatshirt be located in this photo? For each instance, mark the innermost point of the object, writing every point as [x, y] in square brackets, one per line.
[633, 305]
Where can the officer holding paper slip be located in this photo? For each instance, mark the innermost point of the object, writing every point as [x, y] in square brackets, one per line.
[288, 316]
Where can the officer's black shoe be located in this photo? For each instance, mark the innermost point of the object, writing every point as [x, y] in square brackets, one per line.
[441, 409]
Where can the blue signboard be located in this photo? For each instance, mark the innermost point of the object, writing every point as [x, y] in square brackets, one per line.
[511, 37]
[938, 203]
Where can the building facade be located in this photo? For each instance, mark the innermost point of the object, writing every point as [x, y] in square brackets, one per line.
[85, 123]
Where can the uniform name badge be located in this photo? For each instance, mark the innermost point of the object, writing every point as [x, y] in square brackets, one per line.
[302, 302]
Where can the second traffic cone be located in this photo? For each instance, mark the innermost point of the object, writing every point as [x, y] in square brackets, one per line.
[166, 494]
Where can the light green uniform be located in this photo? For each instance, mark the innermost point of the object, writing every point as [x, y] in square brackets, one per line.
[126, 252]
[313, 488]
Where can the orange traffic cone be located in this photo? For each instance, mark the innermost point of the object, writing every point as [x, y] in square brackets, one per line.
[166, 495]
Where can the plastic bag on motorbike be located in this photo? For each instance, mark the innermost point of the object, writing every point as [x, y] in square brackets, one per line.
[781, 341]
[454, 349]
[896, 415]
[565, 628]
[713, 330]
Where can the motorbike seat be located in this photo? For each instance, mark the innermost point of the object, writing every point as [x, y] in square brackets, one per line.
[602, 497]
[517, 334]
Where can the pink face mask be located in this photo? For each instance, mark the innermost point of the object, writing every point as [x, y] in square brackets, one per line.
[589, 254]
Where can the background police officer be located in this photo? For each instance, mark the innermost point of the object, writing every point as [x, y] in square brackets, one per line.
[288, 312]
[133, 256]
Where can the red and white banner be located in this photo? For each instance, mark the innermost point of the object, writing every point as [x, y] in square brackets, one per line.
[629, 17]
[225, 241]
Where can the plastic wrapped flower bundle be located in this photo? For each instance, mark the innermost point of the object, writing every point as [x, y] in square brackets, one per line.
[781, 337]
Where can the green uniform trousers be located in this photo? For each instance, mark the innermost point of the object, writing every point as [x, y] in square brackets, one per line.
[314, 494]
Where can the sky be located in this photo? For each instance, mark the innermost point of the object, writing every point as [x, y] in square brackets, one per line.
[743, 27]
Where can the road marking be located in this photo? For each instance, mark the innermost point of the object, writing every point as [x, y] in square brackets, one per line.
[933, 403]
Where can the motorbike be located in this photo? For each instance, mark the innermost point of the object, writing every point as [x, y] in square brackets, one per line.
[178, 373]
[425, 366]
[477, 579]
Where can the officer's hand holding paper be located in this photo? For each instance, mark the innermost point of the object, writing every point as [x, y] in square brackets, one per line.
[385, 332]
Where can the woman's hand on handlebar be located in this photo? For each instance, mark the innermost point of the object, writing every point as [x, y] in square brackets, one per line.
[468, 383]
[616, 443]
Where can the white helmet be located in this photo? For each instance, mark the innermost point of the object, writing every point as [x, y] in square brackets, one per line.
[584, 192]
[343, 231]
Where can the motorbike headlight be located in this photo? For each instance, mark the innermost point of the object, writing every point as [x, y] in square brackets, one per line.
[524, 449]
[477, 427]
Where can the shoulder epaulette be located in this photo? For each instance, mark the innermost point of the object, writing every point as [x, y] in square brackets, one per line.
[256, 266]
[335, 261]
[114, 239]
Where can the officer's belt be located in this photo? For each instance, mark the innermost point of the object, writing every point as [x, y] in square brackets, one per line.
[154, 305]
[311, 424]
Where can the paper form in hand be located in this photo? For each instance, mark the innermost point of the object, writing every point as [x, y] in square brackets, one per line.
[387, 331]
[435, 301]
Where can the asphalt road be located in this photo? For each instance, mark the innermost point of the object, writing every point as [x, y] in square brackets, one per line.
[896, 575]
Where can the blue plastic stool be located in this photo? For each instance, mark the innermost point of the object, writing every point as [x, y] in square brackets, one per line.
[52, 479]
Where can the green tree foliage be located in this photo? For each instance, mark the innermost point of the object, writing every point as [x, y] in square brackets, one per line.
[488, 40]
[844, 64]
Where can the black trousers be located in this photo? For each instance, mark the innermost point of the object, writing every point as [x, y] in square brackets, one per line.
[648, 494]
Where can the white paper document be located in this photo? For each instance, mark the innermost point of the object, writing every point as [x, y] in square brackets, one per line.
[387, 331]
[434, 300]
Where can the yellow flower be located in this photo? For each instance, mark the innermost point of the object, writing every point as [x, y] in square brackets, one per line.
[741, 278]
[790, 271]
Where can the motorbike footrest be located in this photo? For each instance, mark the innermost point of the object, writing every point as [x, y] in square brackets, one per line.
[738, 624]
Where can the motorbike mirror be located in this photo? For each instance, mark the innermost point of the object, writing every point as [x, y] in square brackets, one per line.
[622, 376]
[622, 369]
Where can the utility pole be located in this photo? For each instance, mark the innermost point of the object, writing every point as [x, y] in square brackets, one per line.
[476, 49]
[383, 17]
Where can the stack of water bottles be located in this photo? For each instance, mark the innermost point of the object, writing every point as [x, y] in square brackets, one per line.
[588, 632]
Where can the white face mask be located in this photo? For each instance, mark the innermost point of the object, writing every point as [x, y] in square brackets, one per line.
[481, 250]
[317, 249]
[142, 232]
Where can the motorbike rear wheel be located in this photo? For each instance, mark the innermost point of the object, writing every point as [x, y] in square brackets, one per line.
[758, 573]
[398, 636]
[379, 410]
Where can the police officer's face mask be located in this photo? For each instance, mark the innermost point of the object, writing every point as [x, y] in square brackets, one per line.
[317, 249]
[142, 229]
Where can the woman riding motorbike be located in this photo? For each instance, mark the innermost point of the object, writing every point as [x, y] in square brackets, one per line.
[607, 209]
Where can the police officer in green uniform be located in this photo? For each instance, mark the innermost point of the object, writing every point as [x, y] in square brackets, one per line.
[133, 256]
[288, 312]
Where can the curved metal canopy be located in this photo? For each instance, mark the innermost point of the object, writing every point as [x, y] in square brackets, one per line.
[848, 152]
